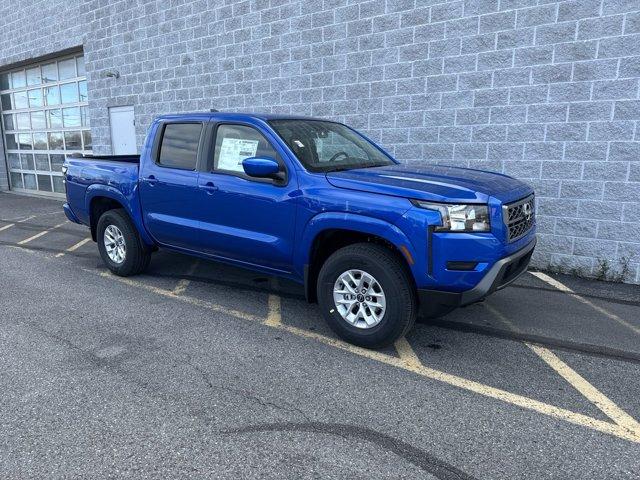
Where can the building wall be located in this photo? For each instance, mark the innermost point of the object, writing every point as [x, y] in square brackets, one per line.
[547, 91]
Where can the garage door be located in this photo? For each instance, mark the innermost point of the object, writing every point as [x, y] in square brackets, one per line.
[44, 118]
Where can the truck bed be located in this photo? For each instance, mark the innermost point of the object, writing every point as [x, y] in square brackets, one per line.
[108, 158]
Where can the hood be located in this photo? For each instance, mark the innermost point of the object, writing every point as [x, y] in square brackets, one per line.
[436, 183]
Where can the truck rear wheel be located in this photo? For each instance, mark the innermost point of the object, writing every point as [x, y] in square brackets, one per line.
[119, 244]
[366, 295]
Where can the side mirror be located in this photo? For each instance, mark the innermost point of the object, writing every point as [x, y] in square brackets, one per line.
[262, 167]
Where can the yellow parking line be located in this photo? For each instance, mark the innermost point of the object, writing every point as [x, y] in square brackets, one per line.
[191, 300]
[475, 387]
[38, 235]
[577, 381]
[562, 287]
[594, 395]
[7, 226]
[407, 354]
[274, 317]
[73, 248]
[453, 380]
[184, 283]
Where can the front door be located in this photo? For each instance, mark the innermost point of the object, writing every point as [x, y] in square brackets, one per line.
[247, 219]
[169, 185]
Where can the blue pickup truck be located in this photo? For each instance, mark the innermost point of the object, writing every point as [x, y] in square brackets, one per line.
[374, 242]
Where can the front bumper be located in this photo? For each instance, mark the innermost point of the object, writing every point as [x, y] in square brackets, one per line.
[502, 273]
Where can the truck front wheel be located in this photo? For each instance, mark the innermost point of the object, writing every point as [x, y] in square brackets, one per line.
[366, 295]
[119, 244]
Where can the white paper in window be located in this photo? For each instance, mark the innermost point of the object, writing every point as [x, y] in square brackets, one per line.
[233, 151]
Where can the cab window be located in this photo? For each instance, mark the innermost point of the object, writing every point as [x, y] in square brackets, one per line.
[179, 146]
[234, 143]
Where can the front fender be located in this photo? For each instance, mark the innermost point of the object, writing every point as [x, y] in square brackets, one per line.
[356, 223]
[129, 202]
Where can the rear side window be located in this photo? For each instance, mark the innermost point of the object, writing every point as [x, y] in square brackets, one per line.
[179, 147]
[234, 143]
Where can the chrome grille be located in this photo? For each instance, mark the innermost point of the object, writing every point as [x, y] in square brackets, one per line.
[519, 217]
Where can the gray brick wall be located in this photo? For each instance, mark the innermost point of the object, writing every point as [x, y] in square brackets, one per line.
[547, 91]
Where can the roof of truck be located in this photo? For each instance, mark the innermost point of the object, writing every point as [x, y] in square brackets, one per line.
[234, 116]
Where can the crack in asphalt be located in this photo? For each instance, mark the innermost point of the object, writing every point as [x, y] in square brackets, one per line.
[246, 394]
[418, 457]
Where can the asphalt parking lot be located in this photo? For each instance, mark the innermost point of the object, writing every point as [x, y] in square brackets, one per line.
[197, 369]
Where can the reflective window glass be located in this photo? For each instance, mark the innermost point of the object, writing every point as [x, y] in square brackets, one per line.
[56, 162]
[14, 160]
[8, 122]
[20, 100]
[69, 93]
[84, 114]
[40, 141]
[29, 181]
[44, 183]
[82, 87]
[27, 161]
[5, 99]
[11, 141]
[44, 117]
[234, 143]
[16, 180]
[25, 141]
[54, 118]
[55, 141]
[5, 81]
[38, 120]
[22, 121]
[33, 76]
[58, 184]
[71, 117]
[86, 139]
[52, 95]
[67, 68]
[49, 72]
[81, 69]
[18, 79]
[35, 98]
[72, 141]
[179, 148]
[42, 162]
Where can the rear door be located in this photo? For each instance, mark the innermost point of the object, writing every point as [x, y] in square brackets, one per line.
[246, 219]
[169, 184]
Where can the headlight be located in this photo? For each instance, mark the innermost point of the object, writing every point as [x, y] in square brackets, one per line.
[459, 218]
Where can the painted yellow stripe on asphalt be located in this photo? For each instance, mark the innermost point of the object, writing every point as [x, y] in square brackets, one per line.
[73, 248]
[6, 227]
[184, 283]
[191, 300]
[38, 235]
[594, 395]
[475, 387]
[453, 380]
[407, 354]
[562, 287]
[577, 381]
[274, 317]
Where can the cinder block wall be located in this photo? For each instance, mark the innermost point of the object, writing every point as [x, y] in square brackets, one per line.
[546, 91]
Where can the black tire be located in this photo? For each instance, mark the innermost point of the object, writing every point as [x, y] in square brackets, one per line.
[394, 278]
[137, 254]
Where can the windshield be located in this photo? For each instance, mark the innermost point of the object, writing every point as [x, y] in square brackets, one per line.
[323, 146]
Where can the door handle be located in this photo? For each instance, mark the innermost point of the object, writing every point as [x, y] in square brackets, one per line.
[151, 180]
[209, 187]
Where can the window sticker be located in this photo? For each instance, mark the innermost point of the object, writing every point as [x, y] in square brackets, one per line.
[233, 151]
